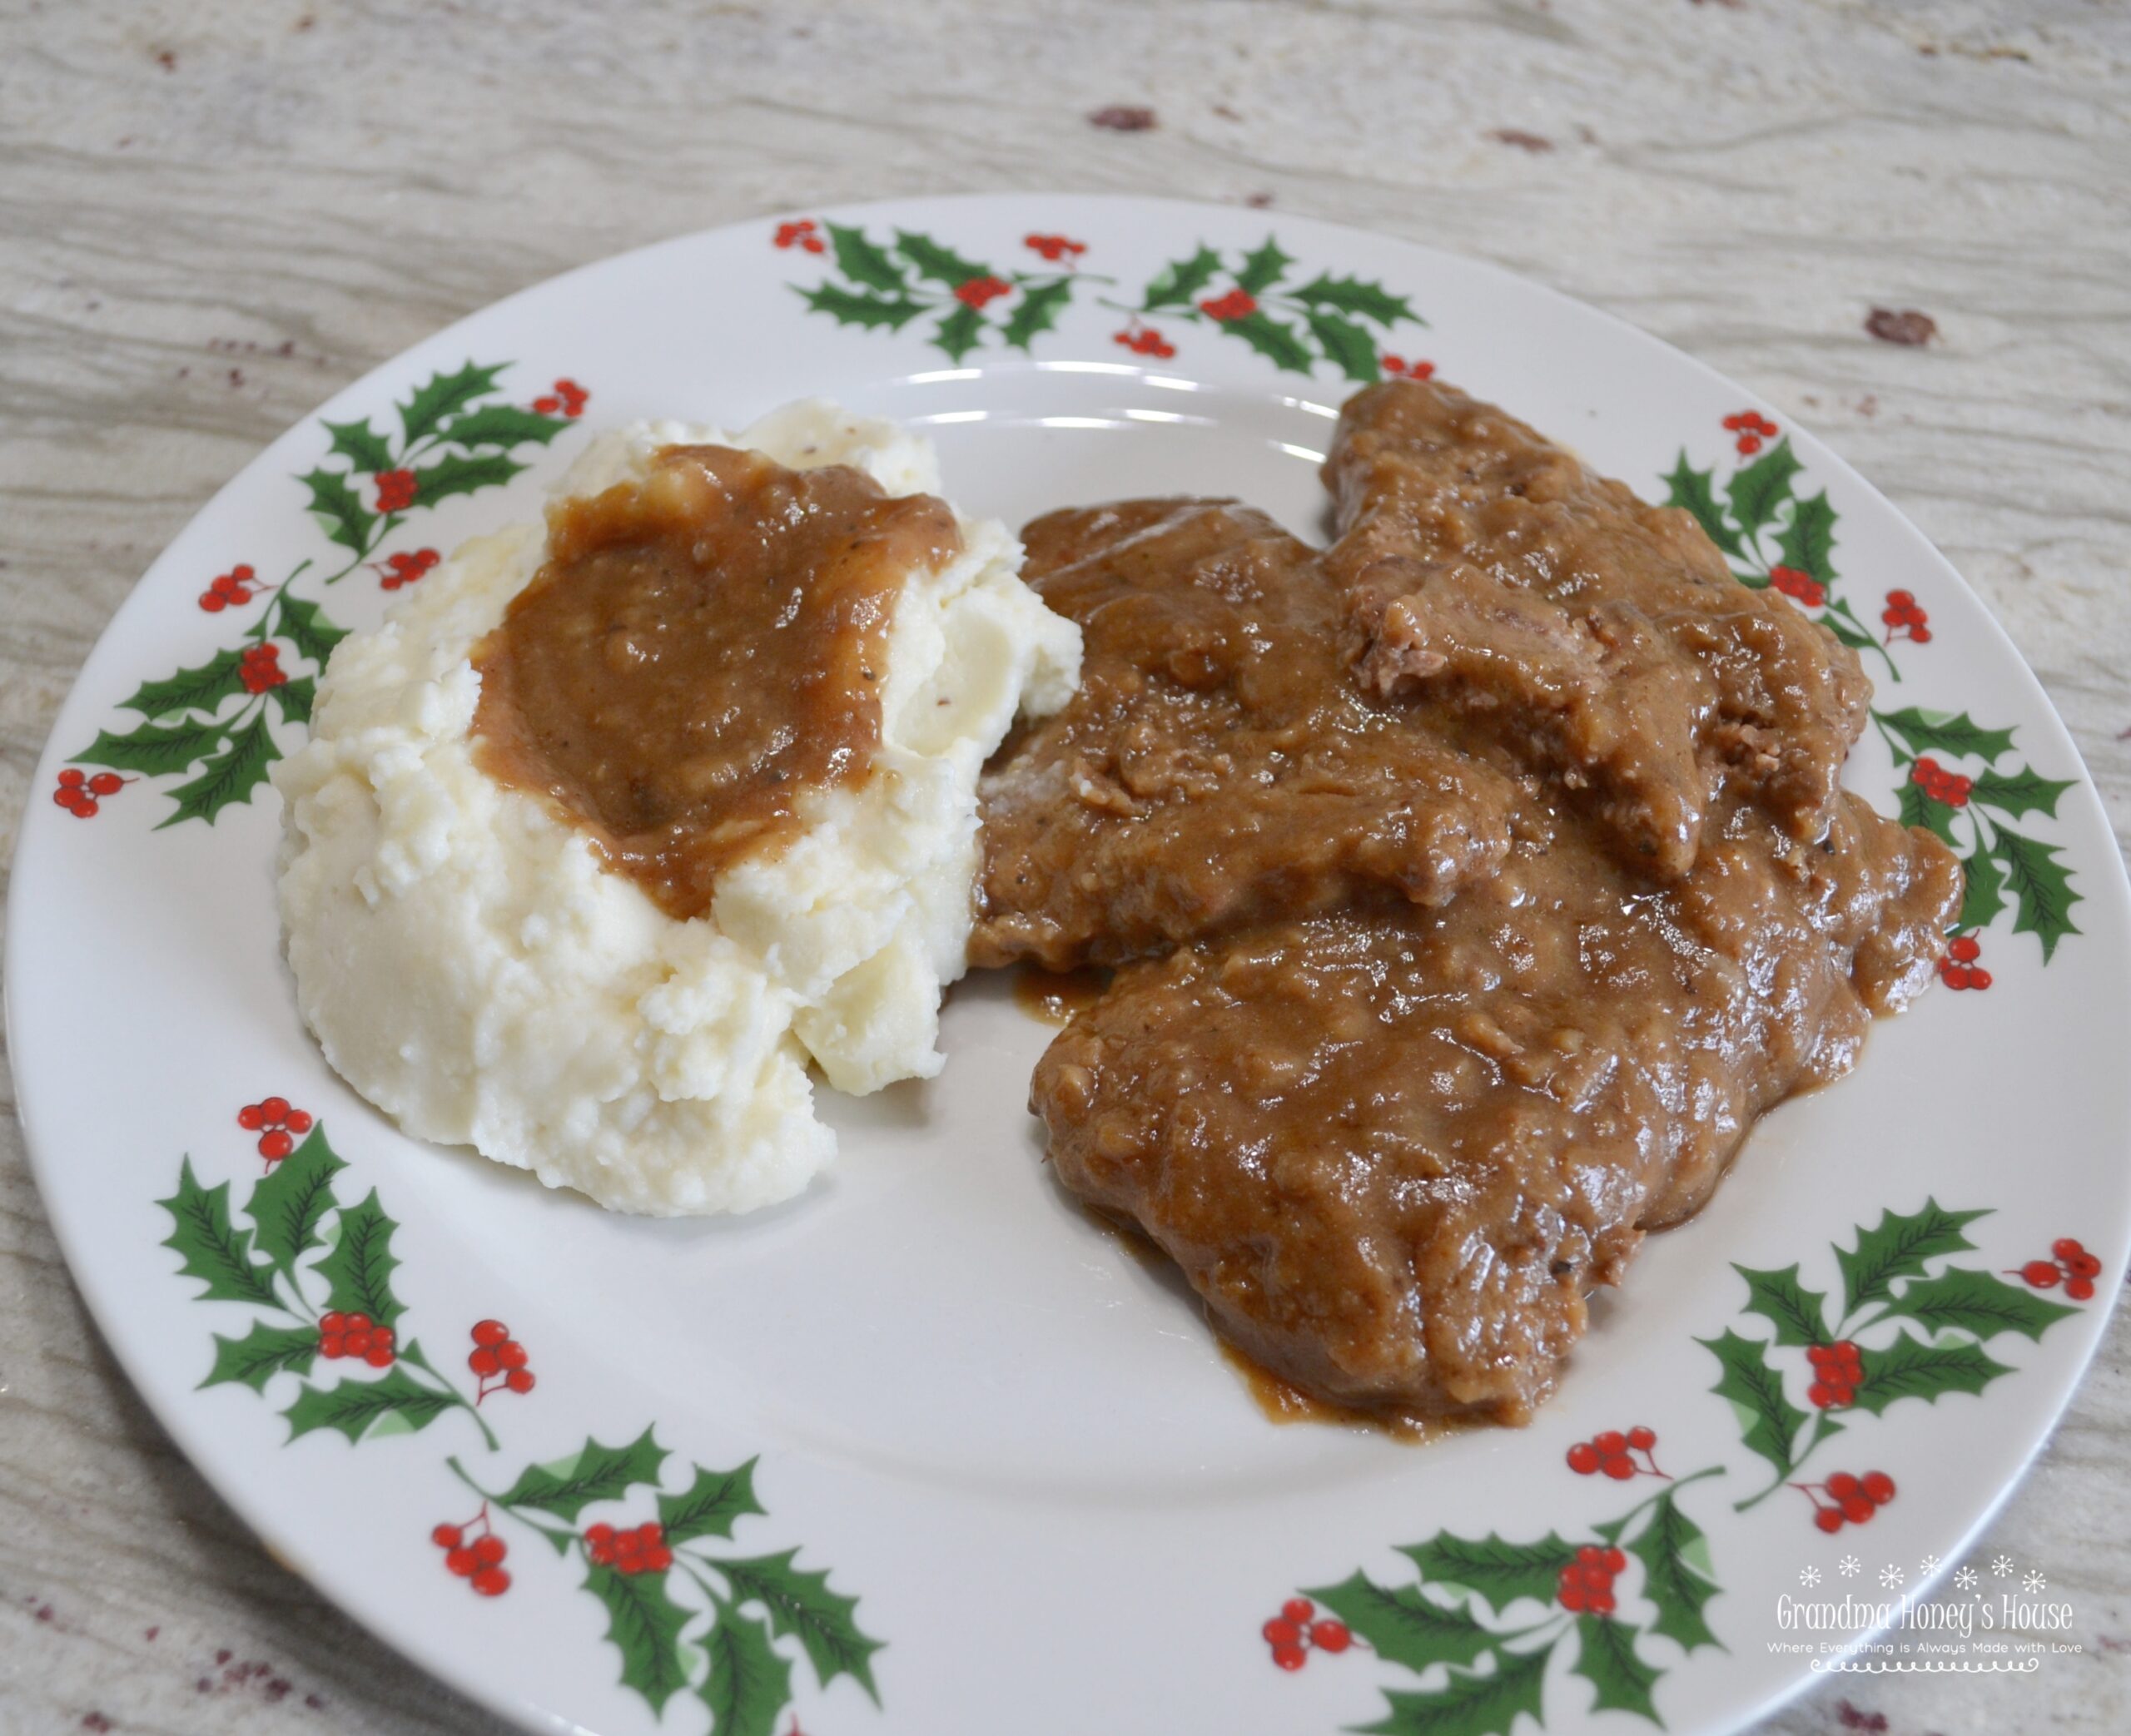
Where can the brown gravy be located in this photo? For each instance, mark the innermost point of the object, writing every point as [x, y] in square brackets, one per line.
[703, 648]
[1055, 996]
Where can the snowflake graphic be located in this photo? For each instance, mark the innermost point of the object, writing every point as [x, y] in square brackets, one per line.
[1927, 1566]
[1966, 1579]
[1808, 1576]
[1848, 1566]
[2034, 1581]
[2002, 1566]
[1891, 1576]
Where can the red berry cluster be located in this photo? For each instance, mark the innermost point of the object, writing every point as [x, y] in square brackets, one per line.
[1838, 1369]
[1236, 305]
[1586, 1583]
[1054, 247]
[2072, 1262]
[1850, 1500]
[1939, 783]
[1145, 340]
[276, 1124]
[228, 590]
[478, 1559]
[1903, 614]
[641, 1550]
[395, 490]
[566, 397]
[1614, 1453]
[978, 290]
[1800, 586]
[498, 1360]
[260, 667]
[1959, 970]
[78, 792]
[1297, 1630]
[800, 234]
[1410, 371]
[1752, 428]
[404, 568]
[356, 1335]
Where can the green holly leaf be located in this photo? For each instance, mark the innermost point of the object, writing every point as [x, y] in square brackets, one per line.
[1038, 310]
[1692, 490]
[1916, 808]
[1345, 343]
[1273, 340]
[1798, 1314]
[228, 776]
[1493, 1568]
[1985, 894]
[1808, 540]
[294, 699]
[1911, 1368]
[263, 1352]
[501, 424]
[861, 261]
[444, 394]
[1405, 1626]
[645, 1624]
[942, 264]
[2023, 792]
[1768, 1422]
[2041, 888]
[356, 1407]
[1962, 1299]
[342, 515]
[1470, 1703]
[847, 308]
[1676, 1573]
[1922, 732]
[458, 473]
[203, 689]
[305, 626]
[213, 1249]
[749, 1684]
[1763, 486]
[566, 1487]
[801, 1605]
[959, 332]
[1607, 1660]
[1897, 1248]
[359, 1271]
[713, 1502]
[1839, 621]
[362, 445]
[1263, 268]
[1351, 295]
[1179, 283]
[292, 1199]
[154, 748]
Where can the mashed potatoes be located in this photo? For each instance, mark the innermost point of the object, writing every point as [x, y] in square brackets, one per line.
[469, 964]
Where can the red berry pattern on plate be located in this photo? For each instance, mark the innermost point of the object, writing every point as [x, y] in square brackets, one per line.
[805, 234]
[83, 795]
[1846, 1500]
[278, 1125]
[566, 399]
[1959, 969]
[230, 590]
[1401, 369]
[1772, 535]
[1055, 248]
[1143, 340]
[1906, 1324]
[314, 1272]
[1644, 1575]
[1617, 1455]
[403, 568]
[2070, 1263]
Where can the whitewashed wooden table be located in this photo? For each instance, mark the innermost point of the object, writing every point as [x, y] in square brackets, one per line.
[212, 217]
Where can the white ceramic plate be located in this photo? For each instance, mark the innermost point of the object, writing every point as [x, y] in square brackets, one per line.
[1016, 1446]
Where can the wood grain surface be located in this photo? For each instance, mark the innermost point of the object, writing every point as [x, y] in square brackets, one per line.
[212, 215]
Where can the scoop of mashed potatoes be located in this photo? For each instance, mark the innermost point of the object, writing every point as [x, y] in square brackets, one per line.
[469, 964]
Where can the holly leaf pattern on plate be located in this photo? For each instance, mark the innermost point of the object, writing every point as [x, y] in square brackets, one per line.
[1676, 1576]
[1898, 1246]
[342, 513]
[354, 1407]
[864, 261]
[711, 1506]
[1806, 541]
[846, 307]
[959, 332]
[1694, 491]
[1985, 896]
[1606, 1657]
[359, 1271]
[1346, 344]
[306, 628]
[442, 395]
[1353, 296]
[1769, 1421]
[644, 1624]
[801, 1606]
[1470, 1703]
[500, 425]
[1911, 1368]
[1493, 1567]
[748, 1683]
[1037, 311]
[1177, 283]
[362, 445]
[1271, 339]
[942, 264]
[1404, 1625]
[593, 1473]
[1799, 1314]
[203, 689]
[155, 749]
[2041, 888]
[463, 473]
[1262, 267]
[263, 1352]
[211, 1247]
[1922, 732]
[1965, 1299]
[1757, 491]
[291, 1200]
[294, 699]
